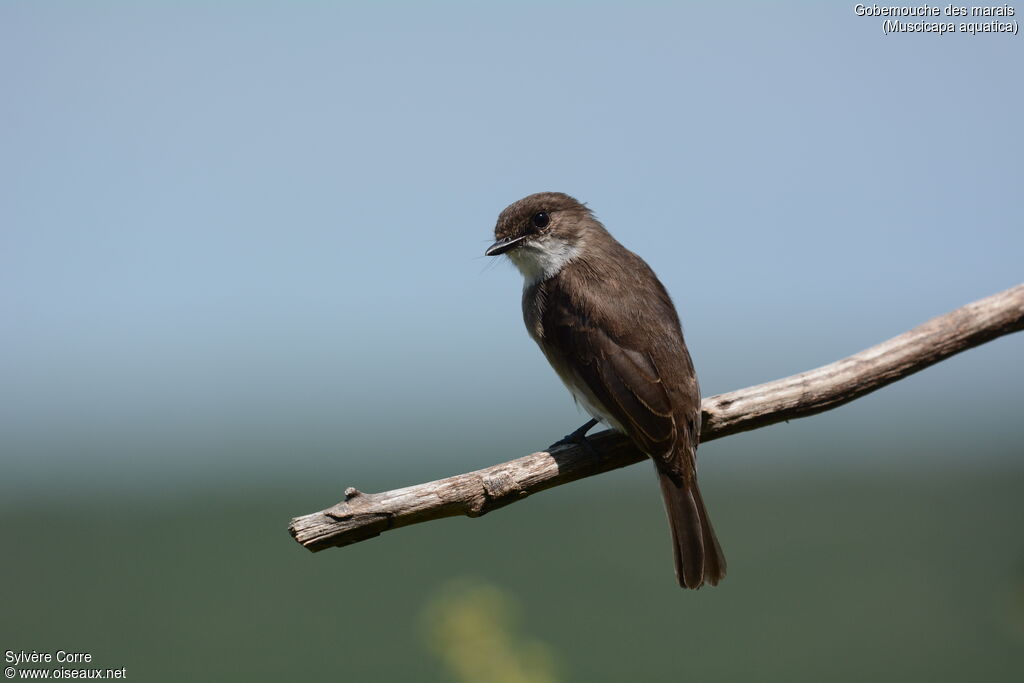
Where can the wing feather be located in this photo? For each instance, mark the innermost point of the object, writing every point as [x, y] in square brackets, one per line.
[626, 384]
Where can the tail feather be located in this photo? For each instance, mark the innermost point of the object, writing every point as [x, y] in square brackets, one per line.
[698, 556]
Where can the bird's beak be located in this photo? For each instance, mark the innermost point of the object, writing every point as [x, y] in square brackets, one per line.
[501, 246]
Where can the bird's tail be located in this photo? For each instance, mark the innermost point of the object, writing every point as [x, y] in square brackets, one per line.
[698, 556]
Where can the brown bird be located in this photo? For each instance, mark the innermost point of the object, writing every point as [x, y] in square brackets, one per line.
[609, 329]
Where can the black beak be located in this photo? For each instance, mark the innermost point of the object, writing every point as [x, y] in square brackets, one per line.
[501, 246]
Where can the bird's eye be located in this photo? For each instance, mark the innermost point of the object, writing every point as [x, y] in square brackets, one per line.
[540, 220]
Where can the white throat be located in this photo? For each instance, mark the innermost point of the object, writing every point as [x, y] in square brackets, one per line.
[543, 258]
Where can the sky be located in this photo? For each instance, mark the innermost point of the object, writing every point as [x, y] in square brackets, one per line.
[254, 232]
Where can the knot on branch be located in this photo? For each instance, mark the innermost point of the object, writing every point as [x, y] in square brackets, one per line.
[494, 489]
[482, 492]
[366, 507]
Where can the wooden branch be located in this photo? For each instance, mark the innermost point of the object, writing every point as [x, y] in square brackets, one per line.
[365, 515]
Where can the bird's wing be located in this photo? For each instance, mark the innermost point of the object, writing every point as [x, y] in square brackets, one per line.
[626, 382]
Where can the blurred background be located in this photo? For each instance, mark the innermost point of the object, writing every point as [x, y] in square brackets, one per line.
[241, 269]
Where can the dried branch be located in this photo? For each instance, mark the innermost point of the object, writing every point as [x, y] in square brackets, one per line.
[365, 515]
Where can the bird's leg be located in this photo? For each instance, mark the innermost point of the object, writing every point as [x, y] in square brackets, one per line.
[578, 437]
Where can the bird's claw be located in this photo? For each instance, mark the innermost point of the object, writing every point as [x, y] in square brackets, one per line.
[577, 438]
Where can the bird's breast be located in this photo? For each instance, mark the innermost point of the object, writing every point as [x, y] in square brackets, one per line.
[535, 302]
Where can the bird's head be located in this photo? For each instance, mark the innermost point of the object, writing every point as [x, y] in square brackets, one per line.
[541, 233]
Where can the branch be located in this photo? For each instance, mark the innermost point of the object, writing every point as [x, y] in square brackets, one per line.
[365, 515]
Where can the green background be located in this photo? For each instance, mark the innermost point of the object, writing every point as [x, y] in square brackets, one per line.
[898, 571]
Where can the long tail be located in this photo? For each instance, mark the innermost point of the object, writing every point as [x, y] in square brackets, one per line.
[698, 556]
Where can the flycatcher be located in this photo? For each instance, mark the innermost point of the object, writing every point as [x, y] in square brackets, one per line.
[609, 329]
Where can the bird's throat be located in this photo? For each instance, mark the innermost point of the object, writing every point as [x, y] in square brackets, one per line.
[541, 260]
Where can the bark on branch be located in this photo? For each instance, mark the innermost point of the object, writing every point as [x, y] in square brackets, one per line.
[365, 515]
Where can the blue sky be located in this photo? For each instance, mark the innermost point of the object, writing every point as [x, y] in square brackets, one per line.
[228, 224]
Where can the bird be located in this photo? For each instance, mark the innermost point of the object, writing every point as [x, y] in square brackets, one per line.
[610, 331]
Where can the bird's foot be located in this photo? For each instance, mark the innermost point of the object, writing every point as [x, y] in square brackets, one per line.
[579, 438]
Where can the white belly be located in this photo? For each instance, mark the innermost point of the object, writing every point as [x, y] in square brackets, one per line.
[583, 397]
